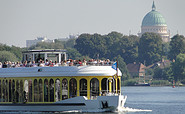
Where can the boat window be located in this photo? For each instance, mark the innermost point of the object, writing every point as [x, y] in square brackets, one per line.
[17, 91]
[57, 90]
[6, 91]
[30, 91]
[51, 88]
[64, 89]
[113, 85]
[39, 57]
[94, 90]
[25, 93]
[118, 85]
[104, 86]
[45, 90]
[10, 91]
[83, 87]
[62, 57]
[13, 91]
[40, 91]
[53, 57]
[3, 92]
[36, 96]
[72, 88]
[21, 91]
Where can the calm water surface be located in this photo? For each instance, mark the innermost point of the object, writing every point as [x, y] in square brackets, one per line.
[161, 100]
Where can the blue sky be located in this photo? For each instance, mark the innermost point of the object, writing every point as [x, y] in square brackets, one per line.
[23, 20]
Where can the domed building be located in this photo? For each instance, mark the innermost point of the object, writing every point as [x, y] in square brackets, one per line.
[155, 22]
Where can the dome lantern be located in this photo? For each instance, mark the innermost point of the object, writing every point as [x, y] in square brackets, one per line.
[153, 7]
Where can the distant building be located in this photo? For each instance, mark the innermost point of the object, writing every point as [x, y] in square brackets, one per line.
[161, 64]
[70, 37]
[39, 39]
[136, 70]
[155, 22]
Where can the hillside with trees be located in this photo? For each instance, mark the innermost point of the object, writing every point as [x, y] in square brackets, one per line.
[10, 53]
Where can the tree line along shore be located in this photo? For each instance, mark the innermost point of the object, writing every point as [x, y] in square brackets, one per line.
[148, 50]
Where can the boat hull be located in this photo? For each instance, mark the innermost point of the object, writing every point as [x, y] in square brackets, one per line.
[76, 104]
[144, 84]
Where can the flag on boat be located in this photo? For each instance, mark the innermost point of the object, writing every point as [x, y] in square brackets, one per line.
[114, 66]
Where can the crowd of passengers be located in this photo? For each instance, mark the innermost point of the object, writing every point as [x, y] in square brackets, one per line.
[50, 63]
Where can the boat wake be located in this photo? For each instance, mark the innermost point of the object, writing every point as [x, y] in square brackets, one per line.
[127, 109]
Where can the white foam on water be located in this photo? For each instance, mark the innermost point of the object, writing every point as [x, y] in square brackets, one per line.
[127, 109]
[75, 111]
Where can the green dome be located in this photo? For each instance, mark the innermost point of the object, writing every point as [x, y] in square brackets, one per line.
[153, 18]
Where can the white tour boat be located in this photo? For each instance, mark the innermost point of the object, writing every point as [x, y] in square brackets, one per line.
[63, 88]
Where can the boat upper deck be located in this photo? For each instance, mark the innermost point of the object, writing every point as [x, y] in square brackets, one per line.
[58, 71]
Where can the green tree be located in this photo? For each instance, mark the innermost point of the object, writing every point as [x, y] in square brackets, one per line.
[73, 54]
[177, 46]
[123, 68]
[69, 43]
[166, 49]
[17, 51]
[99, 46]
[7, 56]
[129, 48]
[113, 44]
[178, 67]
[163, 73]
[149, 72]
[150, 48]
[108, 46]
[84, 44]
[46, 45]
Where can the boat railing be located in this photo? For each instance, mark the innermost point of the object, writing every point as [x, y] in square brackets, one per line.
[94, 94]
[14, 65]
[109, 93]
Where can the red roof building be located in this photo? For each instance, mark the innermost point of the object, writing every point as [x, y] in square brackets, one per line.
[136, 70]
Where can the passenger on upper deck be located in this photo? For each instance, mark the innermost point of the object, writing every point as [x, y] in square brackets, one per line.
[84, 63]
[46, 63]
[55, 64]
[64, 63]
[17, 65]
[50, 63]
[69, 62]
[33, 64]
[4, 65]
[79, 62]
[41, 63]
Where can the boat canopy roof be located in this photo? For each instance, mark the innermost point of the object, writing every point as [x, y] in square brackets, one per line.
[58, 71]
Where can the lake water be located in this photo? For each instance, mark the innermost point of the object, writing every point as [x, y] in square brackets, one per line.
[161, 100]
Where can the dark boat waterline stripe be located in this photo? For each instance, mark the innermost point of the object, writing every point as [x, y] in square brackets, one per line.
[54, 104]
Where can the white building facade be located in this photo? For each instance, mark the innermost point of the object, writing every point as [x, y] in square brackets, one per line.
[39, 39]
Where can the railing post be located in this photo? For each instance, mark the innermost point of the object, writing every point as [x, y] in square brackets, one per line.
[100, 86]
[88, 88]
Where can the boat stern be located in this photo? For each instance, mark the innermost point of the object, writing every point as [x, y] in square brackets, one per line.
[111, 103]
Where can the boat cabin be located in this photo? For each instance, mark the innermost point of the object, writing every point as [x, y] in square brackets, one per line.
[57, 55]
